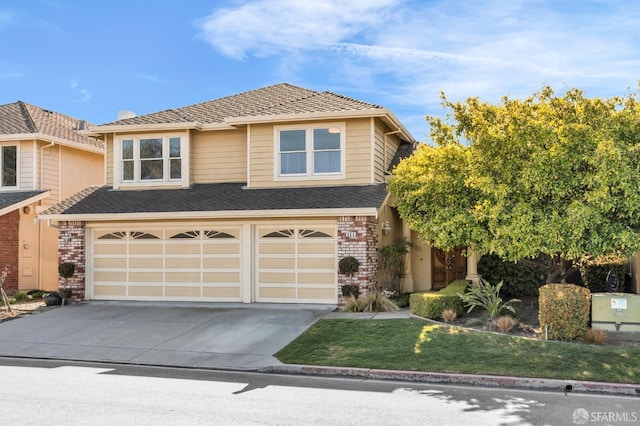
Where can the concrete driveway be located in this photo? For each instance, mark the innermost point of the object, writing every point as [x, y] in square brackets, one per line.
[216, 335]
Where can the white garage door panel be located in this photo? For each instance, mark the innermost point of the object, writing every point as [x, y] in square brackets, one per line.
[296, 264]
[191, 264]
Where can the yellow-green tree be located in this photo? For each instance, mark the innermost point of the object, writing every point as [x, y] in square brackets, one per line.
[552, 174]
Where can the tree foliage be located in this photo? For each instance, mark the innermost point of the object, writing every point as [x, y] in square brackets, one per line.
[551, 174]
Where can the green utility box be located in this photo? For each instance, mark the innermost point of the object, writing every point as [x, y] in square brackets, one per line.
[615, 311]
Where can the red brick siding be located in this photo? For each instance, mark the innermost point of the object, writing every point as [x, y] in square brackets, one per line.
[358, 237]
[71, 248]
[9, 249]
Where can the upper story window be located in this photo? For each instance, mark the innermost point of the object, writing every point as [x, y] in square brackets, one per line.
[310, 150]
[9, 166]
[151, 160]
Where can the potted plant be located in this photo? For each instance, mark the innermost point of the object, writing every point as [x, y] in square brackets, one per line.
[52, 298]
[348, 266]
[66, 271]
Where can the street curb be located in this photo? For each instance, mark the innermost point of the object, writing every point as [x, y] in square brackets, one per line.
[460, 379]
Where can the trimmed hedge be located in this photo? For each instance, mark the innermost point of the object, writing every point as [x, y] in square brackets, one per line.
[594, 272]
[564, 308]
[431, 305]
[522, 278]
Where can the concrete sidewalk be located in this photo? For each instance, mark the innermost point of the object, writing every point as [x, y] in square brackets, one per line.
[220, 335]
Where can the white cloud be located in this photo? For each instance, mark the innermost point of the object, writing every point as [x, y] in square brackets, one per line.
[83, 94]
[267, 27]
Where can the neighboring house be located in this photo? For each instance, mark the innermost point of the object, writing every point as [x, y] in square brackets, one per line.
[43, 160]
[249, 198]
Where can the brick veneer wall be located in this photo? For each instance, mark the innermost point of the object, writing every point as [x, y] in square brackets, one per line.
[358, 237]
[71, 248]
[9, 250]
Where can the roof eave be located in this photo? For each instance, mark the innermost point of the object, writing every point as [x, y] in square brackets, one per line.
[55, 139]
[227, 214]
[121, 128]
[24, 203]
[324, 115]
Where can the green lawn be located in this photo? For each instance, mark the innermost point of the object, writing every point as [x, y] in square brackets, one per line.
[408, 344]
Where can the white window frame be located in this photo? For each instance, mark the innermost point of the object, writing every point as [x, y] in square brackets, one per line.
[17, 185]
[309, 151]
[166, 180]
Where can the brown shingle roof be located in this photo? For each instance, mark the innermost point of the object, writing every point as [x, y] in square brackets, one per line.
[278, 99]
[23, 118]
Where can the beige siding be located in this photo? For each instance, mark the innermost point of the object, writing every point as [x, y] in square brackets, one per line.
[384, 150]
[27, 180]
[79, 170]
[50, 169]
[109, 159]
[220, 156]
[357, 164]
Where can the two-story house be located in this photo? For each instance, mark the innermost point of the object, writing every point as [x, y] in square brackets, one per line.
[253, 197]
[43, 160]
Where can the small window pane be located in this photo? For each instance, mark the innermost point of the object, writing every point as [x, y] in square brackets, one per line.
[127, 170]
[151, 148]
[150, 169]
[326, 162]
[9, 166]
[324, 139]
[292, 140]
[127, 149]
[176, 168]
[293, 163]
[174, 147]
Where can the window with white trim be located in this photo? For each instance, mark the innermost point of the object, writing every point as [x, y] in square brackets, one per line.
[310, 150]
[9, 166]
[151, 159]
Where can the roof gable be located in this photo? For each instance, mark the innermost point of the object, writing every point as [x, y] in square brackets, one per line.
[21, 118]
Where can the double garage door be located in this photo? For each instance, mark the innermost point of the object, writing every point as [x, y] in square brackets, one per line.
[232, 263]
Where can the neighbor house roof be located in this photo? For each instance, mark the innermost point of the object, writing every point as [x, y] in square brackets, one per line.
[278, 102]
[21, 120]
[217, 200]
[13, 200]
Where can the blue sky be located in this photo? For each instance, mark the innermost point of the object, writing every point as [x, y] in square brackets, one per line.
[90, 59]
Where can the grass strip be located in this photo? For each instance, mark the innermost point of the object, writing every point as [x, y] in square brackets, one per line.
[415, 345]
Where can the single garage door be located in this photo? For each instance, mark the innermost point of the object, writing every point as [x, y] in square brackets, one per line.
[296, 264]
[198, 263]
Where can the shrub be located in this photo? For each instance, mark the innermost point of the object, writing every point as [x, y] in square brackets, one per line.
[522, 278]
[19, 296]
[376, 302]
[348, 265]
[449, 315]
[594, 272]
[596, 337]
[371, 302]
[66, 269]
[401, 300]
[431, 305]
[488, 297]
[351, 290]
[504, 323]
[564, 311]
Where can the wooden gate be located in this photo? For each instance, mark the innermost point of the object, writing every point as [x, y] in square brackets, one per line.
[447, 266]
